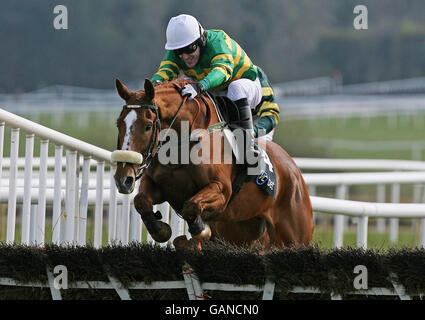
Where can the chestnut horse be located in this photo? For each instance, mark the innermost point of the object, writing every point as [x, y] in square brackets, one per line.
[201, 192]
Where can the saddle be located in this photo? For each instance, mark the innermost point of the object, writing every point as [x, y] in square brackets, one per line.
[228, 110]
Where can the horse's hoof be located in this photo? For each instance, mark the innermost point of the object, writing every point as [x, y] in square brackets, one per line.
[180, 242]
[164, 233]
[204, 234]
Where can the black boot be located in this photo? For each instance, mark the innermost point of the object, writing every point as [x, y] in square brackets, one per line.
[251, 153]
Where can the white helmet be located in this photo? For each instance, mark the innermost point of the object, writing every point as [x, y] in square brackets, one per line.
[182, 31]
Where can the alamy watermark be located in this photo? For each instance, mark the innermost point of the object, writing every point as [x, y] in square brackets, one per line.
[360, 21]
[203, 147]
[361, 281]
[60, 21]
[60, 281]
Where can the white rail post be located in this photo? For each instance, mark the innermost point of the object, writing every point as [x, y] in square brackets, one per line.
[125, 219]
[41, 212]
[13, 172]
[395, 198]
[312, 192]
[118, 223]
[26, 205]
[33, 219]
[82, 221]
[380, 197]
[341, 192]
[77, 200]
[57, 196]
[149, 238]
[1, 149]
[362, 232]
[136, 225]
[112, 214]
[71, 167]
[98, 215]
[135, 219]
[417, 189]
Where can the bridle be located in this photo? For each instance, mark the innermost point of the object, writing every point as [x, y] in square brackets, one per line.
[155, 144]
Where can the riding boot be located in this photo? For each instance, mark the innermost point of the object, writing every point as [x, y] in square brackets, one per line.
[252, 155]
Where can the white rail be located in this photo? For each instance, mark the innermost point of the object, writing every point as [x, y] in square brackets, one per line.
[71, 193]
[359, 164]
[364, 210]
[363, 178]
[14, 121]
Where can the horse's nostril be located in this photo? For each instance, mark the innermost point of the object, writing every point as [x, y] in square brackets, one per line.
[128, 181]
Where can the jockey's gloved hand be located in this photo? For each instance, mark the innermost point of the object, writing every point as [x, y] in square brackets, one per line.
[192, 90]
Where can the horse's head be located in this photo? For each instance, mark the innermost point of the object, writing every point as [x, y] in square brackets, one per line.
[138, 129]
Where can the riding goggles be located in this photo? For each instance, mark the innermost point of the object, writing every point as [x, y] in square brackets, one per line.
[191, 48]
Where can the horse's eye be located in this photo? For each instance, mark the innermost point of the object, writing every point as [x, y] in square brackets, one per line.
[148, 127]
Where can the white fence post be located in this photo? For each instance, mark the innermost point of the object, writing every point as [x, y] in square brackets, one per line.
[312, 192]
[136, 225]
[339, 219]
[149, 238]
[125, 219]
[13, 173]
[362, 232]
[112, 214]
[395, 198]
[33, 219]
[98, 216]
[41, 213]
[84, 202]
[380, 197]
[26, 205]
[57, 196]
[77, 200]
[69, 221]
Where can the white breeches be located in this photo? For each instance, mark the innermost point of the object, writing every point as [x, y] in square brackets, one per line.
[252, 91]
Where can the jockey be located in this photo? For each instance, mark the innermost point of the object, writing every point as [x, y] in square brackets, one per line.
[220, 65]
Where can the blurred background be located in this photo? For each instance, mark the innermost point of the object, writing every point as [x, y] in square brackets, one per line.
[343, 93]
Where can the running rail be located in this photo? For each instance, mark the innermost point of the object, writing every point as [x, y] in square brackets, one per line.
[44, 133]
[71, 222]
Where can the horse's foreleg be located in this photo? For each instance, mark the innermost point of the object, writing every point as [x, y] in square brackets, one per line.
[208, 202]
[148, 196]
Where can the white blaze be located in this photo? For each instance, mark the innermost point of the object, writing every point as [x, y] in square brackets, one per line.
[129, 120]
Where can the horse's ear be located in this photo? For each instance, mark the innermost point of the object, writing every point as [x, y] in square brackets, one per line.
[124, 92]
[149, 90]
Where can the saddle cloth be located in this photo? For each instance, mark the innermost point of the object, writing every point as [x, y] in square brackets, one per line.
[266, 179]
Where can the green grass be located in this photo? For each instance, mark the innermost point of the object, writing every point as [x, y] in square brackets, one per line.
[324, 239]
[296, 135]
